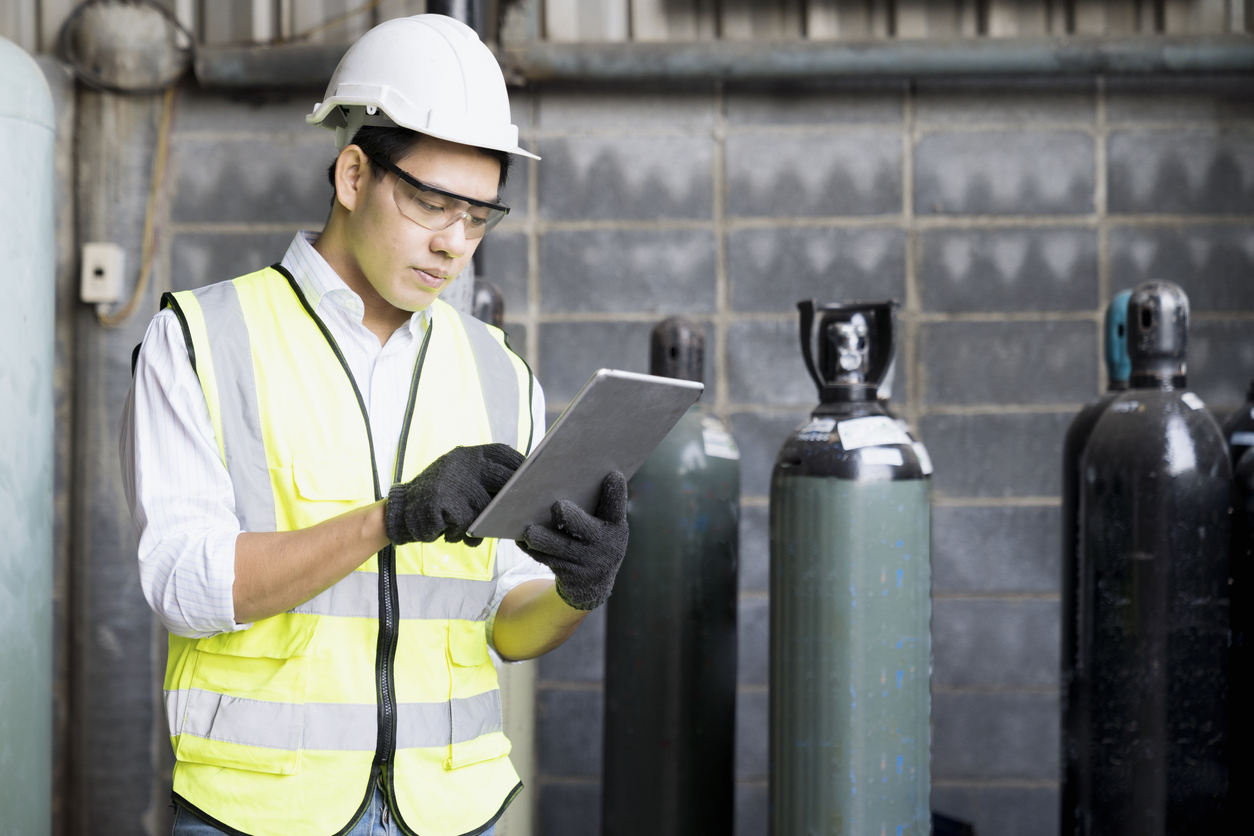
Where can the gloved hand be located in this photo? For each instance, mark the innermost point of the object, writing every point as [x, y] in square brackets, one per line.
[584, 551]
[447, 497]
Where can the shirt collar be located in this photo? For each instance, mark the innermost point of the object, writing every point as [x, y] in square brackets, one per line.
[320, 283]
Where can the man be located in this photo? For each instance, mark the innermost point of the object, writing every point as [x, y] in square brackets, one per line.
[329, 666]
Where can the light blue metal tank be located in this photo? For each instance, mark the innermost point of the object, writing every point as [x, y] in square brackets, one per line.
[26, 369]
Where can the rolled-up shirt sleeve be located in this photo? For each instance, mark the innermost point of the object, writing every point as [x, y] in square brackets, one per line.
[180, 494]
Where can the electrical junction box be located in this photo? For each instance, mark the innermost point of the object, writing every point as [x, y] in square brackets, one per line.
[101, 277]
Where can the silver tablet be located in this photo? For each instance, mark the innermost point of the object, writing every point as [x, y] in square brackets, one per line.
[614, 423]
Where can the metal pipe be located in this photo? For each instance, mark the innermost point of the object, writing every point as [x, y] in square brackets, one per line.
[311, 65]
[542, 61]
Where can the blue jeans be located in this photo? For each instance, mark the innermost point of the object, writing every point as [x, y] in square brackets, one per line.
[376, 821]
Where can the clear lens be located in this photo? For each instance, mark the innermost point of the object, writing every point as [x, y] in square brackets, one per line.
[436, 211]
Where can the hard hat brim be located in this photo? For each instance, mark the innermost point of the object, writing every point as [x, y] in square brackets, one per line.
[325, 116]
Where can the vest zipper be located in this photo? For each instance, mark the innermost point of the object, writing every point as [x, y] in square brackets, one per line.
[389, 604]
[389, 601]
[389, 595]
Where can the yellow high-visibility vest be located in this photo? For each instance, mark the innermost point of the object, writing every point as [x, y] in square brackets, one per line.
[285, 727]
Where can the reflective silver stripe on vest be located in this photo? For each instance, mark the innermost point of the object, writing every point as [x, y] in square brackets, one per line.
[237, 396]
[328, 726]
[421, 596]
[476, 716]
[497, 378]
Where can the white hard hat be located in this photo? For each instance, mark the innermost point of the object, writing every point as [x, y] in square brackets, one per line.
[428, 73]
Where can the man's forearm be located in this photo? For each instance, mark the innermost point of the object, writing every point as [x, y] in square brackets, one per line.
[275, 571]
[532, 620]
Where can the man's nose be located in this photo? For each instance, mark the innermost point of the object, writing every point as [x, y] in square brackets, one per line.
[452, 239]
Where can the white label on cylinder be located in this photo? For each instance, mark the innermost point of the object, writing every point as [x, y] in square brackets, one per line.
[925, 461]
[1125, 406]
[872, 431]
[819, 429]
[718, 441]
[882, 455]
[1192, 400]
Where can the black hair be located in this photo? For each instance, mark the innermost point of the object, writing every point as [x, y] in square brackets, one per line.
[393, 144]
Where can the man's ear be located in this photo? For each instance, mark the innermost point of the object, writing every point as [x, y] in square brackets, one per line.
[351, 167]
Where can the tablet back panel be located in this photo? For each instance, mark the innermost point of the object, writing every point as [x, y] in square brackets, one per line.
[615, 422]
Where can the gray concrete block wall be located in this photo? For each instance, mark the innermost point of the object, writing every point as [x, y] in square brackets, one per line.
[1001, 214]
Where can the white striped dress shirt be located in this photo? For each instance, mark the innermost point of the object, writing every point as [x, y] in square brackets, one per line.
[179, 490]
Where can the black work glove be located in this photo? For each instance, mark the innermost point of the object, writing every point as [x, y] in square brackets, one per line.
[447, 497]
[583, 551]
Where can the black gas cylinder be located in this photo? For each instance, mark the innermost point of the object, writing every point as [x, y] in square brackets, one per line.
[488, 305]
[1150, 684]
[1239, 427]
[1241, 677]
[1118, 369]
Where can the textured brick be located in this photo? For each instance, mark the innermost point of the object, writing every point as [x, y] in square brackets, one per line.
[569, 731]
[752, 735]
[759, 435]
[996, 455]
[200, 259]
[764, 364]
[665, 272]
[572, 809]
[1181, 171]
[1213, 263]
[582, 657]
[517, 189]
[996, 549]
[502, 260]
[1161, 98]
[253, 180]
[521, 105]
[755, 548]
[1001, 811]
[753, 627]
[1004, 644]
[1004, 172]
[829, 102]
[1004, 101]
[201, 110]
[771, 269]
[627, 177]
[516, 335]
[1008, 270]
[626, 106]
[801, 175]
[571, 351]
[752, 809]
[1009, 362]
[995, 736]
[1221, 360]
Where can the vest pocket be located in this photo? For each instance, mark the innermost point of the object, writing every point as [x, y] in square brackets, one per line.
[442, 559]
[331, 477]
[475, 699]
[245, 708]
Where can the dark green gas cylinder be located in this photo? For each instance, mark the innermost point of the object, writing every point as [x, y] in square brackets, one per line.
[1150, 686]
[850, 597]
[670, 647]
[1118, 370]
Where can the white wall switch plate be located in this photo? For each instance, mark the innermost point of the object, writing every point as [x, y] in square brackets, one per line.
[101, 276]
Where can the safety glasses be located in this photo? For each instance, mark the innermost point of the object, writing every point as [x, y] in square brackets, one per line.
[435, 209]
